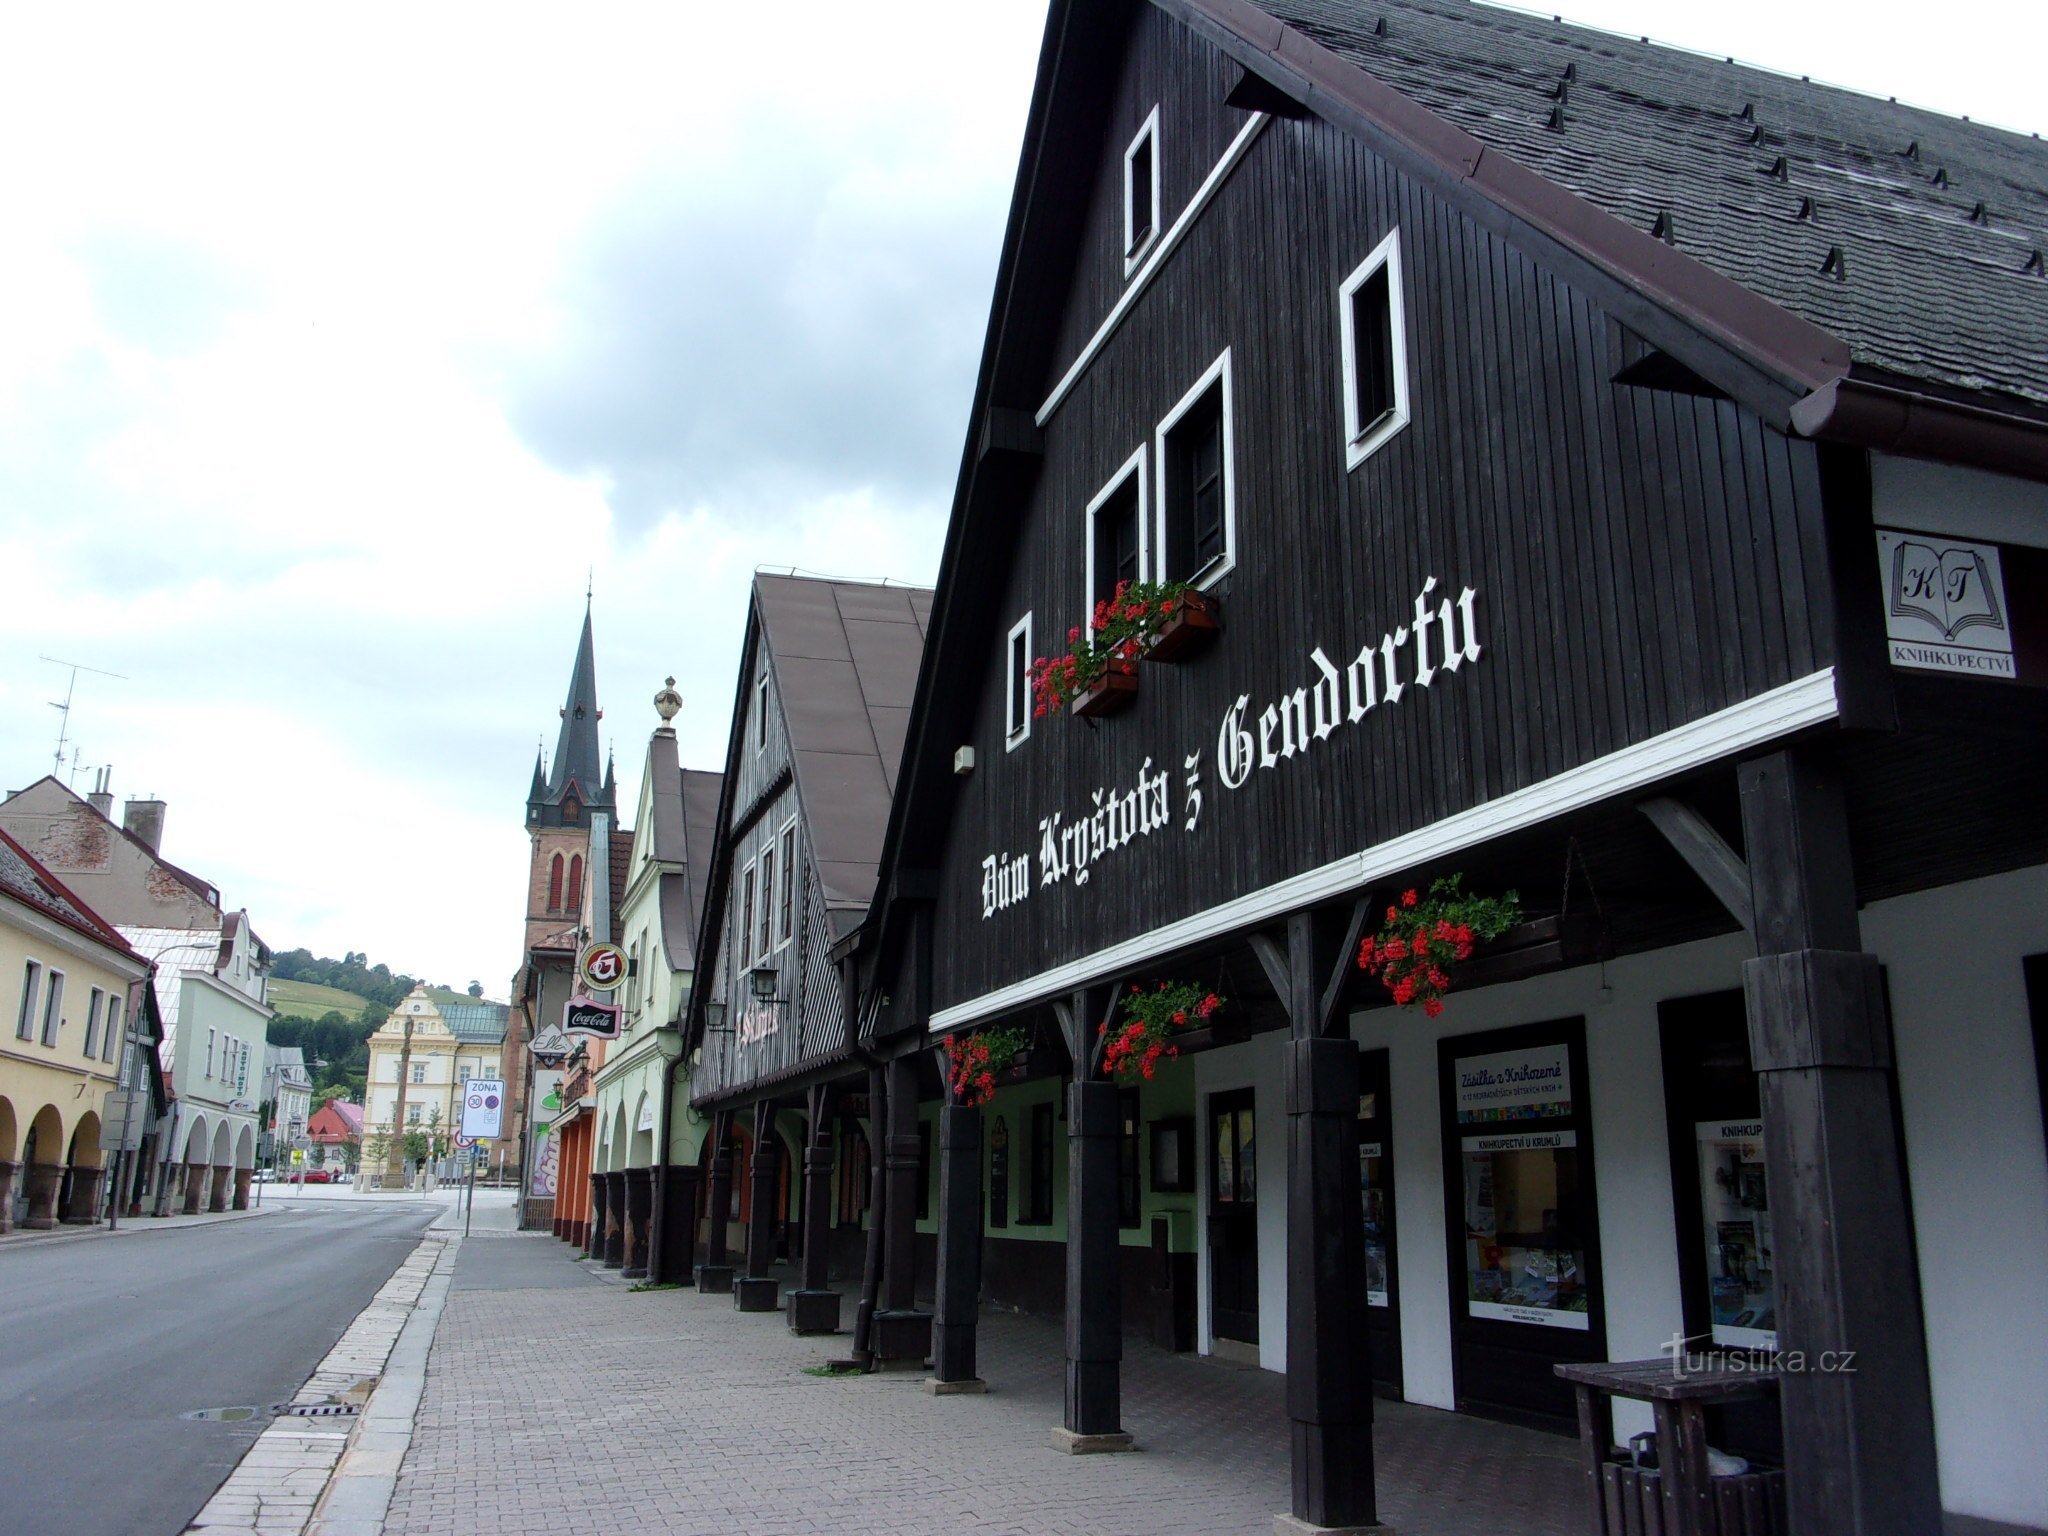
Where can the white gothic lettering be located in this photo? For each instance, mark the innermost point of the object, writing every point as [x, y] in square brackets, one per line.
[1371, 678]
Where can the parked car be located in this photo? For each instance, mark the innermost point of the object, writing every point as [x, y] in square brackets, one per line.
[316, 1176]
[265, 1175]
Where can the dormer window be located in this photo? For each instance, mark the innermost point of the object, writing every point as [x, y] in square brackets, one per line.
[1375, 348]
[1017, 687]
[1118, 547]
[1197, 483]
[761, 713]
[1141, 194]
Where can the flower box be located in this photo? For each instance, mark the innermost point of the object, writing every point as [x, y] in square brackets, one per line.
[1197, 620]
[1534, 947]
[1116, 688]
[1232, 1031]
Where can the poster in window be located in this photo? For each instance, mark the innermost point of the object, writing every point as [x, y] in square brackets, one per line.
[1735, 1205]
[1372, 1165]
[1525, 1218]
[1533, 1083]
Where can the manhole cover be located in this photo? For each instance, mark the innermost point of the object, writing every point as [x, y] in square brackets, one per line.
[318, 1410]
[221, 1415]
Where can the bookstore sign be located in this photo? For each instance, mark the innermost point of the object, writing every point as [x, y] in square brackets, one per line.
[1947, 606]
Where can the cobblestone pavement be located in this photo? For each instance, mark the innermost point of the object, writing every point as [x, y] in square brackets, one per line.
[557, 1401]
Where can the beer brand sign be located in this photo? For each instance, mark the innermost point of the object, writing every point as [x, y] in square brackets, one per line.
[1330, 696]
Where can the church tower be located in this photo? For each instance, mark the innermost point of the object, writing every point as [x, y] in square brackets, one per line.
[560, 803]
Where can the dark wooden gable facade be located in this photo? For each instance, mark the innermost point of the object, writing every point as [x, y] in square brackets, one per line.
[1547, 576]
[825, 683]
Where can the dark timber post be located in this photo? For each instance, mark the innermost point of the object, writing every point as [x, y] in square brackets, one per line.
[639, 1211]
[594, 1238]
[675, 1225]
[959, 1287]
[757, 1290]
[814, 1307]
[1329, 1355]
[1095, 1331]
[715, 1274]
[871, 1263]
[902, 1334]
[1859, 1443]
[615, 1219]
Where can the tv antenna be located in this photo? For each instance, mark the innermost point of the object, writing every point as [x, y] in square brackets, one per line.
[64, 709]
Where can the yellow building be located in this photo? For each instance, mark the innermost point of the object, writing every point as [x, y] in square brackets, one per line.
[68, 986]
[435, 1048]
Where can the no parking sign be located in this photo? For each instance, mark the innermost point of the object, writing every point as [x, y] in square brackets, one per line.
[483, 1108]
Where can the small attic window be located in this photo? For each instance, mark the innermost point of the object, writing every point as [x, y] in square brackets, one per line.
[1141, 193]
[1375, 351]
[761, 714]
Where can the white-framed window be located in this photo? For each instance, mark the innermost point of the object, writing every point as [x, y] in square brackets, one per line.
[115, 1013]
[1017, 685]
[1198, 482]
[1118, 533]
[31, 989]
[419, 1071]
[412, 1113]
[93, 1005]
[767, 900]
[211, 1036]
[761, 713]
[747, 917]
[785, 908]
[1141, 194]
[53, 1008]
[1374, 340]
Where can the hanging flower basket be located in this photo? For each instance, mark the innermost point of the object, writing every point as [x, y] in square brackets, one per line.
[1192, 620]
[1417, 951]
[975, 1063]
[1151, 1025]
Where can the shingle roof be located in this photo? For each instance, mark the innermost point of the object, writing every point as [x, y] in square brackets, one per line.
[1917, 239]
[34, 886]
[845, 656]
[683, 894]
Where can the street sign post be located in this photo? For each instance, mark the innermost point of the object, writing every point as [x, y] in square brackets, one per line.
[483, 1108]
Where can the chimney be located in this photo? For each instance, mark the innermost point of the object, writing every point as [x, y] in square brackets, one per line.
[102, 799]
[145, 818]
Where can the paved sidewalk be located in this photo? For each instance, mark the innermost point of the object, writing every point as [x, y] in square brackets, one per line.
[557, 1402]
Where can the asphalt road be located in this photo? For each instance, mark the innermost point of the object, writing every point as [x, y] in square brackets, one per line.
[106, 1340]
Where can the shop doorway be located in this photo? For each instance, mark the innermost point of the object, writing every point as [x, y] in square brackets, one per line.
[1376, 1191]
[1233, 1219]
[1522, 1219]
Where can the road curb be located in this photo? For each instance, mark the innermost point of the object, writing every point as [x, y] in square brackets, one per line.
[310, 1474]
[358, 1494]
[130, 1225]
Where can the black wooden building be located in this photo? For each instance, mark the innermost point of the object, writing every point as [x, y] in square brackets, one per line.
[1620, 477]
[826, 676]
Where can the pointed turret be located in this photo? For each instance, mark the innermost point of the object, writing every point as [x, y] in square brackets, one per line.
[574, 785]
[539, 791]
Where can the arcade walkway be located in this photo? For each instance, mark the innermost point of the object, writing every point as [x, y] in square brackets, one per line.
[558, 1400]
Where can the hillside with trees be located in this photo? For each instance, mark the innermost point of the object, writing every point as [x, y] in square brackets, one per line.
[330, 1008]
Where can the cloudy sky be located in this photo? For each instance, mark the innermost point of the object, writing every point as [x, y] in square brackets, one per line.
[340, 346]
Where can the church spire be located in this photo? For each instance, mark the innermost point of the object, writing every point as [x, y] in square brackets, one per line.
[577, 768]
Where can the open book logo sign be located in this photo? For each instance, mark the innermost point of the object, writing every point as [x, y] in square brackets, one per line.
[1945, 606]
